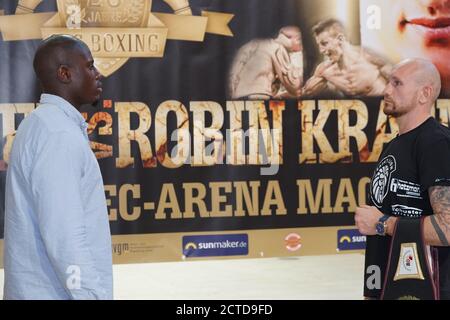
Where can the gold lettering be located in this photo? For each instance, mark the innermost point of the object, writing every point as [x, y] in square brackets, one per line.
[306, 196]
[345, 194]
[306, 123]
[311, 202]
[259, 123]
[168, 200]
[217, 199]
[140, 43]
[8, 112]
[126, 135]
[243, 195]
[135, 190]
[107, 37]
[363, 182]
[345, 131]
[183, 136]
[313, 130]
[131, 42]
[95, 43]
[198, 200]
[120, 38]
[273, 197]
[216, 149]
[153, 43]
[236, 141]
[111, 189]
[381, 137]
[97, 118]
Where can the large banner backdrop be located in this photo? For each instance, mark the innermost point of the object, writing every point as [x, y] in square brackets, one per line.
[228, 128]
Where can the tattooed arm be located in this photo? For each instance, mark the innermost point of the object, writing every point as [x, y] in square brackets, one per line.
[437, 226]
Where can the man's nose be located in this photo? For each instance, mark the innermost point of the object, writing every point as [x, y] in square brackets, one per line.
[98, 75]
[387, 90]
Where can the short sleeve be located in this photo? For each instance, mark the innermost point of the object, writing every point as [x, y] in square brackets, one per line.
[434, 163]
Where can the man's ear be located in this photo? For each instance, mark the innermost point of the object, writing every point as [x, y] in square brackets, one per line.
[63, 73]
[425, 94]
[341, 38]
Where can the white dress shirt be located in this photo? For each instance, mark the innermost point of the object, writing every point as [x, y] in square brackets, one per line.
[57, 242]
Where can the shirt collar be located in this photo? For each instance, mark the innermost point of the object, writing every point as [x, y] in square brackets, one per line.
[66, 107]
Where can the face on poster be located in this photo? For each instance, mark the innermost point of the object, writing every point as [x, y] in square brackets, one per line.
[402, 29]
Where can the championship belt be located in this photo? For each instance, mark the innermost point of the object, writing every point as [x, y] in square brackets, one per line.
[412, 269]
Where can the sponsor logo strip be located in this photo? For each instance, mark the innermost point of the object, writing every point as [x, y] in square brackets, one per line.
[215, 245]
[350, 239]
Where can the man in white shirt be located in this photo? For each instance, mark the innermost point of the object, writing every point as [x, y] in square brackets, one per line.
[57, 241]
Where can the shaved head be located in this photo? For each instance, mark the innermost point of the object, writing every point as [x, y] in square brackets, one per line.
[291, 38]
[290, 30]
[65, 67]
[52, 53]
[424, 73]
[412, 90]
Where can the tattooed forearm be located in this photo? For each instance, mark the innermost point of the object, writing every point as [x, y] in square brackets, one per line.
[439, 231]
[440, 220]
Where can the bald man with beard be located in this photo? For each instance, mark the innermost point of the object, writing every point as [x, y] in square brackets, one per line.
[57, 242]
[412, 178]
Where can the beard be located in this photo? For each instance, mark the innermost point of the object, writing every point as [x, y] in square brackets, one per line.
[391, 109]
[395, 110]
[96, 100]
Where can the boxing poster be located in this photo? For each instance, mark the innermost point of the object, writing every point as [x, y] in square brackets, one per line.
[228, 128]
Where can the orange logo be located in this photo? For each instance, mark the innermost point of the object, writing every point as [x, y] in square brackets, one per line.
[293, 242]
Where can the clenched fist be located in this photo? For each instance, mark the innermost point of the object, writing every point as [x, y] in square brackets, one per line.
[366, 217]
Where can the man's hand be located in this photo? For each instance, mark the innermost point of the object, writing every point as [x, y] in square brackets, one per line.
[366, 217]
[317, 82]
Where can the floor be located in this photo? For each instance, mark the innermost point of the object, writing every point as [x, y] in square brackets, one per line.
[337, 276]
